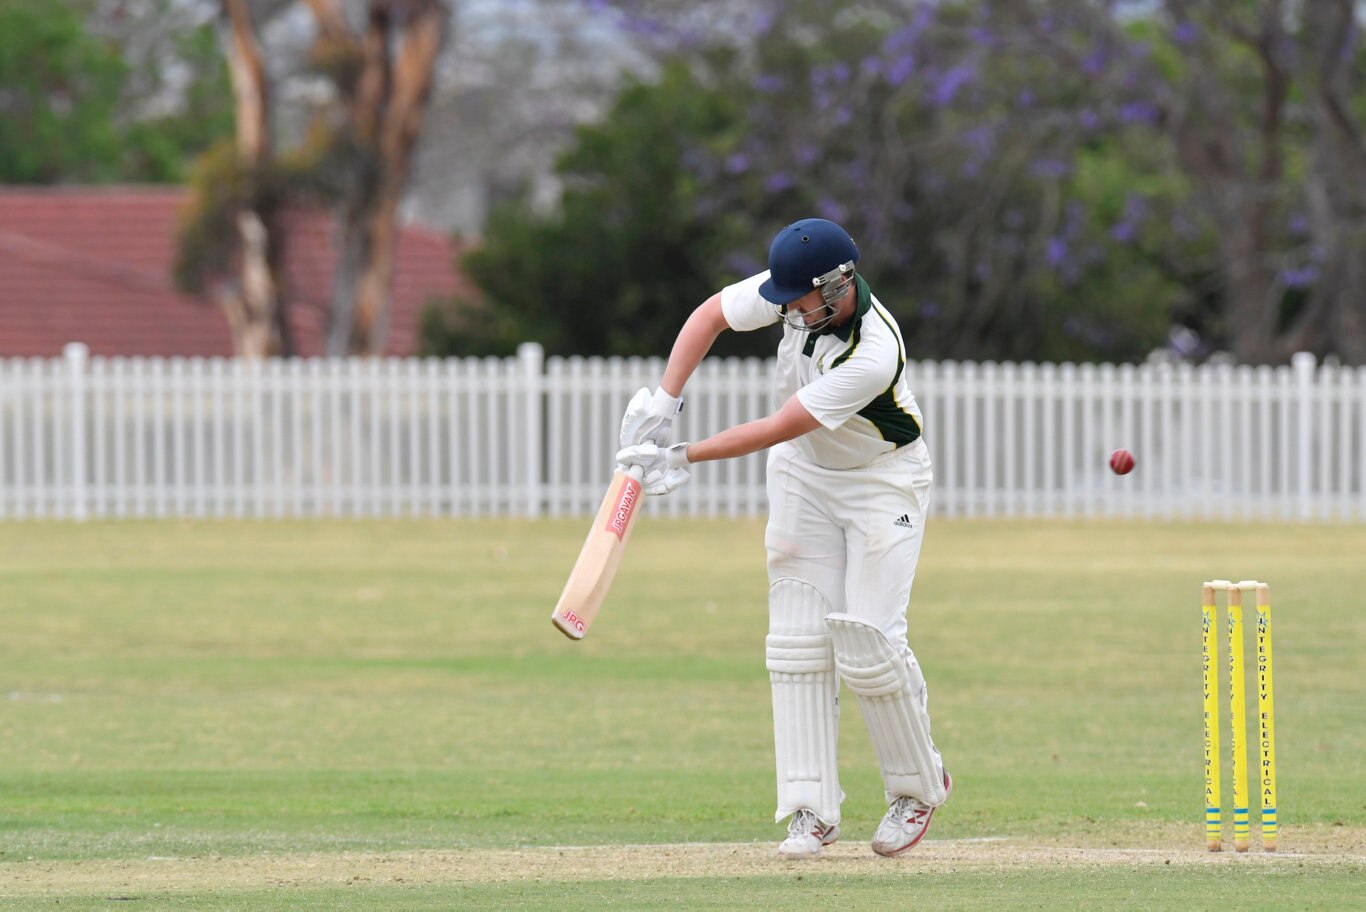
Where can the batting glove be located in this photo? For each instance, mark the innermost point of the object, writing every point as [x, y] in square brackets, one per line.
[649, 417]
[663, 467]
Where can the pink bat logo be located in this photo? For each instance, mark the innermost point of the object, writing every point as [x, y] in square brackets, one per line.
[620, 517]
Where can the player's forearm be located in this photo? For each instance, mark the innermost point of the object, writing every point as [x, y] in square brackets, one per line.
[694, 340]
[788, 423]
[740, 440]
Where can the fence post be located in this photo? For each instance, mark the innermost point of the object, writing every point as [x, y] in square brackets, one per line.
[76, 354]
[532, 358]
[1303, 365]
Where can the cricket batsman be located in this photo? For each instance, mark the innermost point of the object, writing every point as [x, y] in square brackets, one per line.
[849, 481]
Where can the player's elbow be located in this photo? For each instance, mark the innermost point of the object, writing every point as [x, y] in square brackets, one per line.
[791, 422]
[709, 317]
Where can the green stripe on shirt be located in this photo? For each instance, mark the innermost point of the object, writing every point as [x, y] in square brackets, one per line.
[893, 422]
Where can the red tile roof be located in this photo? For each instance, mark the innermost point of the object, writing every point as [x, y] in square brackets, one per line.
[93, 265]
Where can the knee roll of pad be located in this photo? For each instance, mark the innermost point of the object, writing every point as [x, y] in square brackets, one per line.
[891, 694]
[798, 642]
[801, 666]
[797, 654]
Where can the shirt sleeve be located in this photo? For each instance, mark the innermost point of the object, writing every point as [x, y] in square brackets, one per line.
[744, 308]
[842, 392]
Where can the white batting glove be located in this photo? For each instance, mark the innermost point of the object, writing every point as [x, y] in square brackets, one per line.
[647, 454]
[649, 416]
[670, 481]
[663, 466]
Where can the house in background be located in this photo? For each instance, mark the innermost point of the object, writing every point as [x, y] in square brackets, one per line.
[94, 265]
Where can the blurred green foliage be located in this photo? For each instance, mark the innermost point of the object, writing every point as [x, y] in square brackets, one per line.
[60, 88]
[65, 105]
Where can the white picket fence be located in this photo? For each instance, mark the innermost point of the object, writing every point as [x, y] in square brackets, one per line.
[114, 437]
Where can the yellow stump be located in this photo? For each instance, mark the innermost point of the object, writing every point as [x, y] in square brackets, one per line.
[1237, 712]
[1266, 716]
[1210, 662]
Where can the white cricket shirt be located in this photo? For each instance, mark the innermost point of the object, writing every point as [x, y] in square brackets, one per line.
[851, 378]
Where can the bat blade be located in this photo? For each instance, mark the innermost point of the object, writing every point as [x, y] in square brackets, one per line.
[601, 555]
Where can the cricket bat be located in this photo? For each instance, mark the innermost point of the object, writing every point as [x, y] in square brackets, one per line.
[597, 564]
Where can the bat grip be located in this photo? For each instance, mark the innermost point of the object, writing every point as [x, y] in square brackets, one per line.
[636, 472]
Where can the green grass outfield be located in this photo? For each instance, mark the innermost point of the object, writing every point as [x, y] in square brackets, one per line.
[379, 715]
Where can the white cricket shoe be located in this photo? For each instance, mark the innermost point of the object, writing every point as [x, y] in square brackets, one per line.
[805, 836]
[906, 823]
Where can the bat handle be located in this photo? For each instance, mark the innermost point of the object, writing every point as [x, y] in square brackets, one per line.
[635, 471]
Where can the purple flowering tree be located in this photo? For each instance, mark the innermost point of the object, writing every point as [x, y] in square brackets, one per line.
[1035, 178]
[948, 142]
[1260, 105]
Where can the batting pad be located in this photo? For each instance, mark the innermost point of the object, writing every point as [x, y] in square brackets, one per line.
[801, 669]
[892, 695]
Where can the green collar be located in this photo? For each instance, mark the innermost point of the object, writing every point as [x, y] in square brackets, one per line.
[865, 301]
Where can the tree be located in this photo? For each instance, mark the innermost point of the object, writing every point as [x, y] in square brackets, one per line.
[176, 99]
[990, 212]
[232, 239]
[1333, 318]
[969, 211]
[1061, 179]
[60, 88]
[252, 304]
[69, 92]
[355, 157]
[1261, 106]
[383, 77]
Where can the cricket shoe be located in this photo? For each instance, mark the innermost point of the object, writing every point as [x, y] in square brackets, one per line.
[805, 836]
[906, 823]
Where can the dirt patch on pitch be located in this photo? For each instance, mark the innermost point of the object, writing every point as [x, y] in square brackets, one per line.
[583, 863]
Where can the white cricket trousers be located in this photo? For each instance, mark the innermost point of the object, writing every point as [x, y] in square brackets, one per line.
[853, 534]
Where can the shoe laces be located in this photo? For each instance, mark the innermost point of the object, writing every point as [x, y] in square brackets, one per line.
[804, 823]
[910, 810]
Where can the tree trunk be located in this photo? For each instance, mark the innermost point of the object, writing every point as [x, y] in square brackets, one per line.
[1250, 293]
[1241, 172]
[386, 97]
[1334, 319]
[253, 303]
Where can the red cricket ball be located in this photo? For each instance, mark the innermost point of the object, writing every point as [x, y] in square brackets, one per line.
[1121, 462]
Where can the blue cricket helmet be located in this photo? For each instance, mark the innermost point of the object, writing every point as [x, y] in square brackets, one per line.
[803, 253]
